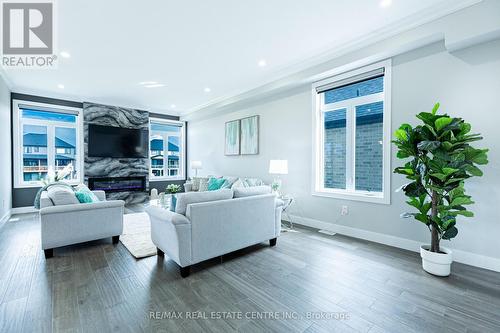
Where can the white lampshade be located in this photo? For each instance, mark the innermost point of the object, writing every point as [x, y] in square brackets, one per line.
[278, 167]
[196, 165]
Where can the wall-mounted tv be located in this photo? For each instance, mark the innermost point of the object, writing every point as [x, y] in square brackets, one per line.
[108, 141]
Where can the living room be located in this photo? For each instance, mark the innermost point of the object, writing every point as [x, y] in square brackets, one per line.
[250, 167]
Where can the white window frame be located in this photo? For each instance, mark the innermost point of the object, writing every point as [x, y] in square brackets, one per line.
[182, 151]
[18, 146]
[319, 108]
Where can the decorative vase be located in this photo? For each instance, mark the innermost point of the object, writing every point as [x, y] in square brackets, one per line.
[436, 263]
[173, 201]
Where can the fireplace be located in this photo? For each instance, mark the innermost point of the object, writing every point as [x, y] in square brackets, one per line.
[118, 184]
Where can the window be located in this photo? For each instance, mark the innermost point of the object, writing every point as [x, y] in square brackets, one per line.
[47, 138]
[352, 135]
[166, 149]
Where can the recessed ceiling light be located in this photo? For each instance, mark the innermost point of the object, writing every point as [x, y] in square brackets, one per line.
[262, 63]
[60, 86]
[65, 54]
[155, 85]
[147, 83]
[385, 3]
[207, 90]
[173, 106]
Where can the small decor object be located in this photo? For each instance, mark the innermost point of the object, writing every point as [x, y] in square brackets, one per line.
[173, 189]
[250, 135]
[232, 144]
[154, 194]
[277, 167]
[442, 159]
[196, 165]
[57, 176]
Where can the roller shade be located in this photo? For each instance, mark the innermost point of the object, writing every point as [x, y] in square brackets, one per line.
[353, 79]
[48, 109]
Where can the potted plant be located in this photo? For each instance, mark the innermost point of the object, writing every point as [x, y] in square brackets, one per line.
[172, 189]
[442, 159]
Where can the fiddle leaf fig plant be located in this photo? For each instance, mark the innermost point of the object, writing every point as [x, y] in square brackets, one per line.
[441, 159]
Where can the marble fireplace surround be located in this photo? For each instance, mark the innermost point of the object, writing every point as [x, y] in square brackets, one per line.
[97, 167]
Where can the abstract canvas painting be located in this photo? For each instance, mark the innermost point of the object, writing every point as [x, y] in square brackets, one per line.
[232, 145]
[250, 135]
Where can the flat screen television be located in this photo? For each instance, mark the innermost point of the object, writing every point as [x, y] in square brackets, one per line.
[108, 141]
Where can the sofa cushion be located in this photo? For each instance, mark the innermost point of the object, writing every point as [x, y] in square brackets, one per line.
[62, 195]
[240, 192]
[229, 181]
[184, 199]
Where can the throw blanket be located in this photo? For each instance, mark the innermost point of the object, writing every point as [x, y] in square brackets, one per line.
[39, 194]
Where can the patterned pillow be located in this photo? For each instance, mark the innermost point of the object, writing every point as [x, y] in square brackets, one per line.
[250, 182]
[229, 181]
[215, 183]
[203, 185]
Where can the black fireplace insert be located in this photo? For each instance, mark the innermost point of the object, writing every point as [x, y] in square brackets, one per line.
[118, 184]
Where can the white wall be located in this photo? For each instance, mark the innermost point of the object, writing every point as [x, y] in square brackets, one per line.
[467, 83]
[5, 154]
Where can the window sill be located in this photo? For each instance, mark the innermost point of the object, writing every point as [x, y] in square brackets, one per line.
[40, 185]
[166, 179]
[355, 196]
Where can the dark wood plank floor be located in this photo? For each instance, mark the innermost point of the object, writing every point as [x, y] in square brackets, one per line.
[357, 285]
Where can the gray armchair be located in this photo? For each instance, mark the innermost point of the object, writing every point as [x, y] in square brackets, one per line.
[76, 223]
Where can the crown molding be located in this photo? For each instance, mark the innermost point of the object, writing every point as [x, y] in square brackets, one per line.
[297, 74]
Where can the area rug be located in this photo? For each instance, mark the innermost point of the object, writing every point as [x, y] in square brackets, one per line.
[136, 235]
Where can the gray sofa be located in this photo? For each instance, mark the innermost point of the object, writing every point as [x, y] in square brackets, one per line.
[210, 224]
[76, 223]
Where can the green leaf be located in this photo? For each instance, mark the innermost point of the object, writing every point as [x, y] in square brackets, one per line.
[435, 108]
[442, 122]
[459, 201]
[474, 170]
[465, 213]
[428, 145]
[450, 233]
[440, 176]
[401, 135]
[449, 171]
[422, 218]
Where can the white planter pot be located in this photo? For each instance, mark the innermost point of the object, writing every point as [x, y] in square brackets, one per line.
[436, 263]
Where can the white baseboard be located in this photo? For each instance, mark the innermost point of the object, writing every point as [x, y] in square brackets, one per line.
[464, 257]
[5, 218]
[23, 210]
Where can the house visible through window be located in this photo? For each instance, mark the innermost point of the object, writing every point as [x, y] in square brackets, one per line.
[46, 139]
[353, 135]
[166, 149]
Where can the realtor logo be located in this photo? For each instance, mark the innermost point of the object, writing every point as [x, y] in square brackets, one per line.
[28, 34]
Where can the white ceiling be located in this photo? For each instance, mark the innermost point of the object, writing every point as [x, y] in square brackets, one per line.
[190, 45]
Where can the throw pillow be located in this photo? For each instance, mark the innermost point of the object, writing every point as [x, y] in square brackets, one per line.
[229, 181]
[215, 183]
[203, 185]
[241, 192]
[84, 195]
[249, 182]
[62, 195]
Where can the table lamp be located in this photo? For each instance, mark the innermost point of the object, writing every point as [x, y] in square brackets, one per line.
[196, 165]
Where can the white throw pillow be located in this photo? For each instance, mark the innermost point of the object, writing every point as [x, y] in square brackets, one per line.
[62, 195]
[184, 199]
[240, 192]
[203, 185]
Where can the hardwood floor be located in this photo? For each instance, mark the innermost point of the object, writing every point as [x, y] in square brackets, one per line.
[307, 276]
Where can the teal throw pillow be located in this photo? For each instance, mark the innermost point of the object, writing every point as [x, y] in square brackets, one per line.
[173, 203]
[84, 195]
[215, 183]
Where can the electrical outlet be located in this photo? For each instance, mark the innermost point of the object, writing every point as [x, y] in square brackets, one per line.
[345, 211]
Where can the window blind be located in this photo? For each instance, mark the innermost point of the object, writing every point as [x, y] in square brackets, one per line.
[48, 109]
[353, 79]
